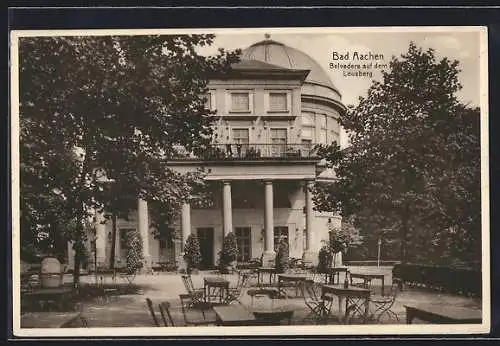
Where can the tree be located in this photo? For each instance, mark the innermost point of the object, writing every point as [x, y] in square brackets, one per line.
[103, 116]
[133, 257]
[192, 252]
[413, 163]
[282, 260]
[229, 252]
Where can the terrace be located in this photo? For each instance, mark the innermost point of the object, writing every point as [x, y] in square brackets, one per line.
[127, 306]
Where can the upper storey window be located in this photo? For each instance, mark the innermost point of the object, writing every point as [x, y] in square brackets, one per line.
[210, 100]
[240, 101]
[278, 102]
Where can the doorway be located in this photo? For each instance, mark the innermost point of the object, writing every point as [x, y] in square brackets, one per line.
[281, 233]
[206, 239]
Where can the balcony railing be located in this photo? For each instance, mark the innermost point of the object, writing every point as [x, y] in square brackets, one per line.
[232, 151]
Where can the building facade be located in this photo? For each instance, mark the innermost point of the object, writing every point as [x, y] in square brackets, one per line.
[272, 109]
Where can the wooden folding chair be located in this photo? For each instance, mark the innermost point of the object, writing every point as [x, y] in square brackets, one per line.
[187, 306]
[319, 306]
[165, 314]
[383, 304]
[152, 312]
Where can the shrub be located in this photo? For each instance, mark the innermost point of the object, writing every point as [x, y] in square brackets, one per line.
[282, 257]
[452, 280]
[192, 252]
[133, 256]
[229, 252]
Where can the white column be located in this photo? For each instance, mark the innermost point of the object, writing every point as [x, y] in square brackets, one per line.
[143, 224]
[101, 239]
[309, 215]
[185, 232]
[269, 253]
[227, 209]
[185, 223]
[309, 254]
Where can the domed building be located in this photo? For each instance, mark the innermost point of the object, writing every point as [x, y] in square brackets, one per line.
[271, 110]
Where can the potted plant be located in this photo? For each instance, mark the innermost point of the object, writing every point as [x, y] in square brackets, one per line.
[192, 254]
[228, 254]
[282, 260]
[325, 258]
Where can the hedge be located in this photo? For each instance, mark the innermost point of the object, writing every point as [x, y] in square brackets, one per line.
[452, 280]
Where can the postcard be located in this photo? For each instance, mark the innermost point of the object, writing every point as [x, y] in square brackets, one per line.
[250, 182]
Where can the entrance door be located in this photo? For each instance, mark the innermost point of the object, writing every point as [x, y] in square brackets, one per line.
[206, 239]
[280, 233]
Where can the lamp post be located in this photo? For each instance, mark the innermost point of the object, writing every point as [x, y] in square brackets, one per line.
[378, 256]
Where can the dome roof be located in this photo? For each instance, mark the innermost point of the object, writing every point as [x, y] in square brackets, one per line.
[277, 53]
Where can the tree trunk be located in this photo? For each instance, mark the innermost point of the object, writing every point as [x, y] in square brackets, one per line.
[113, 242]
[78, 247]
[405, 222]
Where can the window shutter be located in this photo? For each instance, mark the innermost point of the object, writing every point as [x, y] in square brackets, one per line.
[240, 101]
[278, 102]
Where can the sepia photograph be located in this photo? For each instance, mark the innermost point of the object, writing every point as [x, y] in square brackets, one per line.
[264, 181]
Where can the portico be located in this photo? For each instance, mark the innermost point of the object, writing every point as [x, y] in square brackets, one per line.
[259, 208]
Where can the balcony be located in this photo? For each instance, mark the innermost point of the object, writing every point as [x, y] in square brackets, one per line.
[235, 151]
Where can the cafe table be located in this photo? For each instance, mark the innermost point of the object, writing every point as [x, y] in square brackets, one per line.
[233, 315]
[368, 277]
[442, 314]
[352, 296]
[52, 320]
[216, 289]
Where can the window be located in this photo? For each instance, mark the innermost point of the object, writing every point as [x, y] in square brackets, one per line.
[244, 243]
[278, 102]
[240, 142]
[323, 132]
[306, 147]
[208, 103]
[308, 128]
[240, 136]
[278, 141]
[280, 233]
[163, 244]
[166, 237]
[240, 102]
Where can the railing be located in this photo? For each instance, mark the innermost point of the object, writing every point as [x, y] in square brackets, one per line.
[231, 151]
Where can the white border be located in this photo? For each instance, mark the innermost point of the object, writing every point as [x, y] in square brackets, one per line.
[484, 327]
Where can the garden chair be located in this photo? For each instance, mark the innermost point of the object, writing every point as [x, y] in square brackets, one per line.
[187, 305]
[319, 305]
[197, 294]
[152, 312]
[234, 293]
[128, 276]
[165, 314]
[383, 304]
